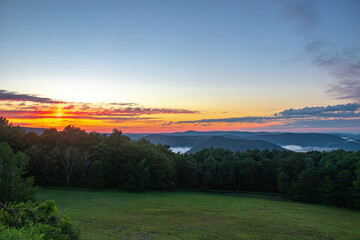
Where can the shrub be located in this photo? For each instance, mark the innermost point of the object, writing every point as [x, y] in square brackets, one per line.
[33, 221]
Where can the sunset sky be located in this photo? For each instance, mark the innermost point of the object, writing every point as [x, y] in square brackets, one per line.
[166, 66]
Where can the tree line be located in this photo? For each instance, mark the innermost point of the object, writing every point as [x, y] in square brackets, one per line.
[74, 158]
[21, 216]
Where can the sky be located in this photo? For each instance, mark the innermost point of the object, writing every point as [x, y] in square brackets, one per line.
[167, 66]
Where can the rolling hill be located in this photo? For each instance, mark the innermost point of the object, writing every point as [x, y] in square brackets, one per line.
[173, 141]
[301, 139]
[233, 144]
[237, 140]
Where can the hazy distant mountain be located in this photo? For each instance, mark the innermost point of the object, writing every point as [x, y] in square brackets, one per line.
[315, 140]
[240, 140]
[196, 134]
[347, 146]
[291, 141]
[135, 136]
[233, 144]
[38, 131]
[301, 139]
[173, 141]
[214, 133]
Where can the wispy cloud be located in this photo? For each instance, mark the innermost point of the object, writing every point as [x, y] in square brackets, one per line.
[13, 96]
[302, 13]
[346, 89]
[167, 124]
[328, 123]
[343, 65]
[50, 115]
[27, 106]
[231, 120]
[335, 115]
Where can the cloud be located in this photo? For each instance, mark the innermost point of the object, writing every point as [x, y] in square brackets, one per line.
[333, 123]
[346, 89]
[85, 107]
[302, 13]
[335, 112]
[129, 111]
[231, 120]
[69, 107]
[26, 113]
[341, 110]
[167, 124]
[343, 66]
[18, 114]
[13, 96]
[26, 106]
[72, 111]
[123, 104]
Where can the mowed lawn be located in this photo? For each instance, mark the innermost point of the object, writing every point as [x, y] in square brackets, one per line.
[193, 215]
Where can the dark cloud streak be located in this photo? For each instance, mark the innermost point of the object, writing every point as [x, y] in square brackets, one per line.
[342, 110]
[13, 96]
[336, 112]
[232, 120]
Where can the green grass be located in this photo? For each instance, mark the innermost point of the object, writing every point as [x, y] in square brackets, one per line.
[192, 215]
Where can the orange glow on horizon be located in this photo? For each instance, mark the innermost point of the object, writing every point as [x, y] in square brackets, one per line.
[136, 126]
[131, 117]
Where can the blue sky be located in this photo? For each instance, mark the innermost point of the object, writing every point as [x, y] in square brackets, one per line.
[223, 59]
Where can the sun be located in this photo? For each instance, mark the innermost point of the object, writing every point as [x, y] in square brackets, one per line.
[59, 113]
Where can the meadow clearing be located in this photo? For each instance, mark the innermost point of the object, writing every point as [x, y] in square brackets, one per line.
[197, 215]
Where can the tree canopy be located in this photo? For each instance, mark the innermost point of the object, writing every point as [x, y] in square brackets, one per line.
[74, 158]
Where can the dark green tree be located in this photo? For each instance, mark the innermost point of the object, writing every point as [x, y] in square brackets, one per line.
[13, 187]
[96, 177]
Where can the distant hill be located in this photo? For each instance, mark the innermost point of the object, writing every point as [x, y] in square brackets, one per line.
[233, 144]
[242, 140]
[38, 131]
[347, 146]
[173, 141]
[302, 141]
[134, 136]
[214, 133]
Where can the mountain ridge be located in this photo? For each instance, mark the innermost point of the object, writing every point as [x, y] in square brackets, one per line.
[191, 138]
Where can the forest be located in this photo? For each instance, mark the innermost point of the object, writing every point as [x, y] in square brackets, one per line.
[74, 158]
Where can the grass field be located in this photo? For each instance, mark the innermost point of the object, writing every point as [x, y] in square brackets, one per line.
[192, 215]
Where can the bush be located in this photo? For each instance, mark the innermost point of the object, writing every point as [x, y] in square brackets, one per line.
[32, 221]
[26, 233]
